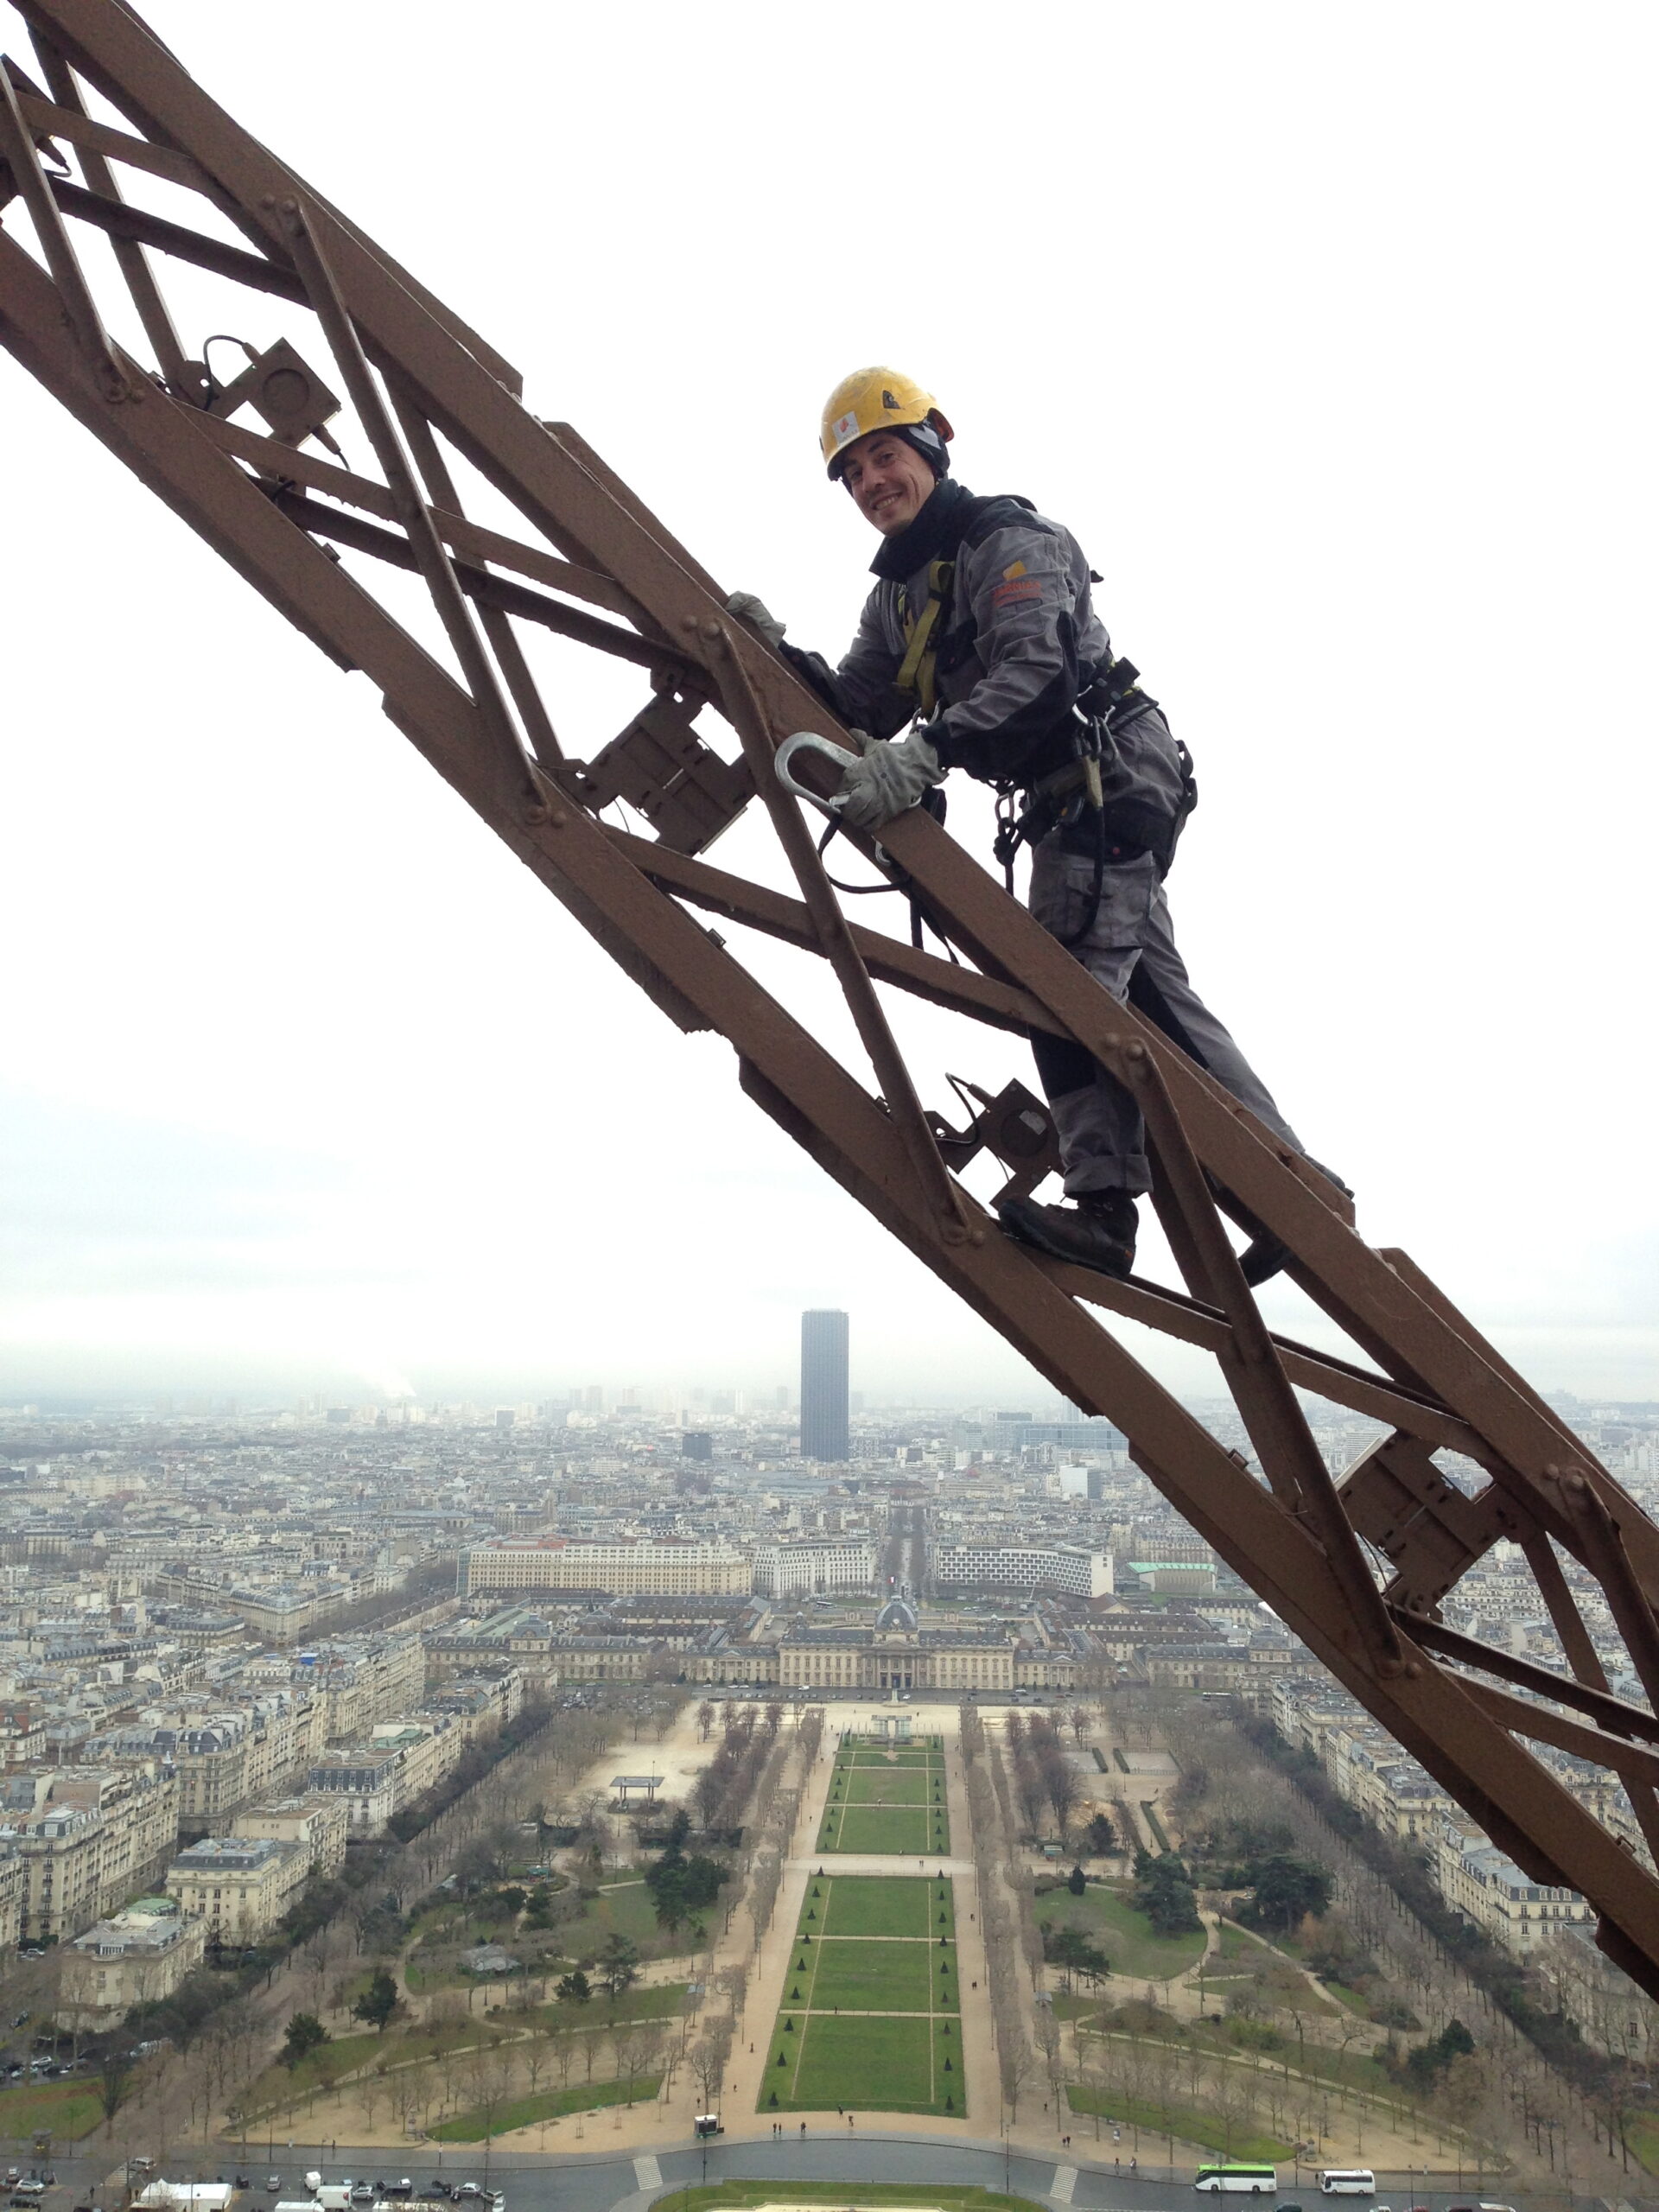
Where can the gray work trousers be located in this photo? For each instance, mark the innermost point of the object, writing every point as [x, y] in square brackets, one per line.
[1103, 1141]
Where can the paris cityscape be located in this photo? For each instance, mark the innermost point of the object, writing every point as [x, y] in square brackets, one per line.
[411, 1775]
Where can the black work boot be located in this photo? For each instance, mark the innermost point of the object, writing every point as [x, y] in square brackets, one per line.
[1264, 1256]
[1098, 1232]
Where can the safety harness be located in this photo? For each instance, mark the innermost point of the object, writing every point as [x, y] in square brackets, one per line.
[1071, 794]
[918, 671]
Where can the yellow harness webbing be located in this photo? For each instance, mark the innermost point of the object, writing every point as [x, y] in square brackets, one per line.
[918, 670]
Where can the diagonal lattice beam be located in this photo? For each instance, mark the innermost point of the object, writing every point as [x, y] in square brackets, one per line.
[422, 380]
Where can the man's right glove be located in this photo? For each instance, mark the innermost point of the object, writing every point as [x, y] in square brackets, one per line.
[758, 615]
[888, 780]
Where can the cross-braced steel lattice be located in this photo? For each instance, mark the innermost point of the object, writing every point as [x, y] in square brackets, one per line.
[1358, 1566]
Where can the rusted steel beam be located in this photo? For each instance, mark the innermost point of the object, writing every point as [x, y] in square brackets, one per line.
[309, 242]
[93, 144]
[17, 149]
[1277, 1425]
[1636, 1766]
[1614, 1715]
[121, 221]
[1195, 1323]
[955, 1218]
[287, 465]
[945, 982]
[395, 548]
[498, 628]
[1564, 1614]
[60, 119]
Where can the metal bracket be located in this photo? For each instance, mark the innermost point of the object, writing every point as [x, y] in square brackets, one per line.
[1015, 1126]
[282, 387]
[663, 769]
[1429, 1529]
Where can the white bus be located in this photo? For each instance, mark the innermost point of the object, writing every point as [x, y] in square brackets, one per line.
[1348, 2180]
[1254, 2180]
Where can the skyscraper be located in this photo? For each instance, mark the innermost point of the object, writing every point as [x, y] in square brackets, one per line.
[824, 1385]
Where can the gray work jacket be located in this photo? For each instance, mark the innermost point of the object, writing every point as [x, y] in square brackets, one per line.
[1018, 643]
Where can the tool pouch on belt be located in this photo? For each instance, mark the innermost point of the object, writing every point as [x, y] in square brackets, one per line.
[1147, 788]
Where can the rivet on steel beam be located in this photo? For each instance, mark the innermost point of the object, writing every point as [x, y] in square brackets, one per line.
[1576, 1485]
[976, 1236]
[688, 621]
[1413, 1670]
[1552, 1473]
[267, 200]
[1390, 1669]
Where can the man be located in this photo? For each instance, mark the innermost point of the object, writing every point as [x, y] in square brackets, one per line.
[981, 631]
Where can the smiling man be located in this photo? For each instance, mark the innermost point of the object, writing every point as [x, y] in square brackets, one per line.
[980, 633]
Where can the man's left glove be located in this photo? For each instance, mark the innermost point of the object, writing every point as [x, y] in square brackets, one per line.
[888, 781]
[759, 616]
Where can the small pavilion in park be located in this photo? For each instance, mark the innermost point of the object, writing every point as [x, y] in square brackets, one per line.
[627, 1785]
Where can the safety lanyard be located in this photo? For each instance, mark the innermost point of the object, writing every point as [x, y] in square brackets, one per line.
[918, 670]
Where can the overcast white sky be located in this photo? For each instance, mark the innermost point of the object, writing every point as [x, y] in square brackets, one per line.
[1329, 330]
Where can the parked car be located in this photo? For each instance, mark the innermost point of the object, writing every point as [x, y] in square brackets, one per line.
[245, 2181]
[404, 2188]
[274, 2182]
[31, 2186]
[362, 2194]
[468, 2189]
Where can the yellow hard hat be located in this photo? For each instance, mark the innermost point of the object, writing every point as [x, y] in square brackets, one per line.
[878, 399]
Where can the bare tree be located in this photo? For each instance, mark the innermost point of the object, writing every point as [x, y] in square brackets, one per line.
[1046, 2030]
[1016, 2062]
[651, 2041]
[707, 2057]
[1061, 1782]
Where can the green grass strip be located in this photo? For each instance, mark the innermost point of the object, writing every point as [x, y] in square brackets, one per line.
[1178, 2120]
[551, 2104]
[739, 2195]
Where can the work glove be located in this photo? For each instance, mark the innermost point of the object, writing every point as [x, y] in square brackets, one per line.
[758, 615]
[888, 780]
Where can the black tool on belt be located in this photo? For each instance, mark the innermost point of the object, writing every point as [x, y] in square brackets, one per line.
[1071, 797]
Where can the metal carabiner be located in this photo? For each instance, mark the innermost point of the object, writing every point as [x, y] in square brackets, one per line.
[808, 740]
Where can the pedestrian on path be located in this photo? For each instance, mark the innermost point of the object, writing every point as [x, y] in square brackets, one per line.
[803, 2131]
[849, 2119]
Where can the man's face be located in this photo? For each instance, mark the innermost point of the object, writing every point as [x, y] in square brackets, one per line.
[889, 481]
